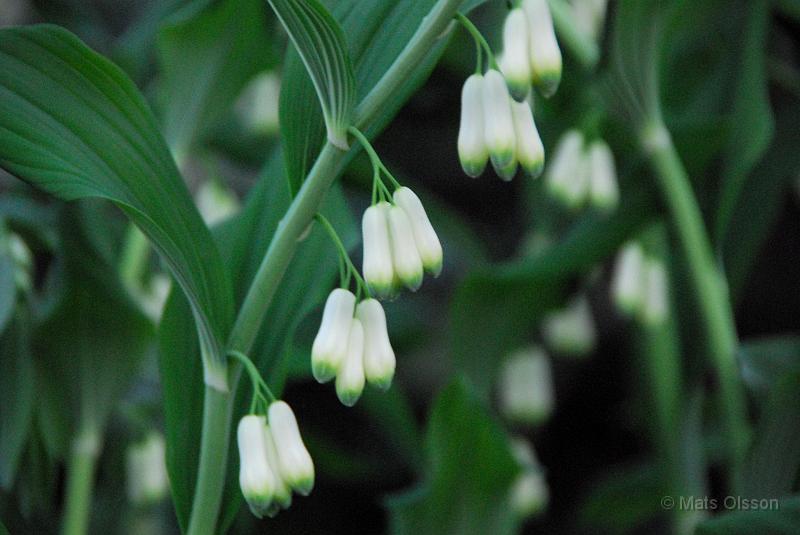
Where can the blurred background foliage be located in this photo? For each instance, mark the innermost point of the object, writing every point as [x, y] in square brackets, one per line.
[634, 418]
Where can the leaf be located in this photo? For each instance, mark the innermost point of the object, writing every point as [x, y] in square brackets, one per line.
[74, 125]
[765, 361]
[470, 472]
[8, 285]
[774, 458]
[775, 518]
[207, 53]
[751, 117]
[320, 42]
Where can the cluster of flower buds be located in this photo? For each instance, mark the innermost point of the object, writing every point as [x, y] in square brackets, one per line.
[639, 285]
[526, 387]
[352, 345]
[571, 331]
[529, 494]
[399, 244]
[581, 172]
[273, 460]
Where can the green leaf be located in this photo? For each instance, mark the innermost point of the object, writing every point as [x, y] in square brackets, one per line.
[470, 472]
[320, 42]
[74, 125]
[781, 518]
[8, 285]
[765, 361]
[751, 117]
[207, 52]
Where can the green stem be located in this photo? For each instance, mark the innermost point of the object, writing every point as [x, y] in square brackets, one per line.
[216, 429]
[709, 286]
[80, 481]
[480, 40]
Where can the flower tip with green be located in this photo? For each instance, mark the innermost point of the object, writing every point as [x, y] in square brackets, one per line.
[330, 345]
[627, 282]
[656, 301]
[499, 128]
[545, 55]
[405, 256]
[472, 151]
[604, 192]
[256, 478]
[379, 358]
[377, 264]
[530, 150]
[516, 63]
[294, 461]
[350, 380]
[283, 493]
[428, 244]
[567, 176]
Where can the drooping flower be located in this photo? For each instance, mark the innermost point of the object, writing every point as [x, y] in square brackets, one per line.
[544, 52]
[350, 379]
[147, 471]
[499, 131]
[472, 151]
[627, 283]
[571, 331]
[379, 359]
[330, 345]
[294, 461]
[377, 267]
[428, 245]
[256, 478]
[530, 151]
[283, 493]
[656, 300]
[529, 494]
[405, 256]
[567, 175]
[516, 62]
[525, 389]
[604, 192]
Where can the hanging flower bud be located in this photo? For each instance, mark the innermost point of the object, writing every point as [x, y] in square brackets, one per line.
[526, 387]
[472, 149]
[499, 128]
[330, 346]
[567, 178]
[379, 359]
[256, 478]
[350, 380]
[407, 263]
[377, 267]
[628, 280]
[604, 192]
[283, 493]
[544, 52]
[508, 172]
[530, 151]
[516, 54]
[430, 250]
[295, 465]
[571, 331]
[146, 471]
[655, 308]
[529, 494]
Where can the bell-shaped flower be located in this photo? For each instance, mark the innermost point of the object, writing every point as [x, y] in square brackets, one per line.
[544, 52]
[516, 65]
[627, 283]
[283, 492]
[428, 245]
[529, 494]
[530, 151]
[499, 129]
[472, 149]
[350, 380]
[379, 359]
[256, 478]
[405, 255]
[294, 462]
[567, 175]
[571, 331]
[604, 192]
[525, 389]
[330, 346]
[147, 471]
[377, 267]
[656, 300]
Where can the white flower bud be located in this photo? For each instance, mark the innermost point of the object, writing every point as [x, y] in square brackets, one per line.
[330, 346]
[430, 250]
[627, 283]
[530, 151]
[377, 267]
[526, 387]
[567, 175]
[407, 263]
[499, 129]
[656, 301]
[571, 331]
[216, 202]
[603, 176]
[147, 471]
[379, 359]
[295, 465]
[529, 494]
[283, 492]
[516, 64]
[544, 52]
[256, 478]
[350, 380]
[472, 149]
